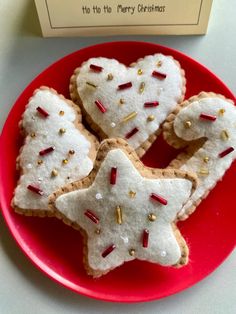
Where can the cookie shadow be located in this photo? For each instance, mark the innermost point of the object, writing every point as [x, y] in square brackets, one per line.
[41, 285]
[29, 24]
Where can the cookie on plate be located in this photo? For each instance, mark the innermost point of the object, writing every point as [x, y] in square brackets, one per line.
[128, 102]
[57, 150]
[125, 210]
[206, 124]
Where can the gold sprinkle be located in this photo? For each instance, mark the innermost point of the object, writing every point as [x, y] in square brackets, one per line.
[206, 159]
[221, 112]
[91, 84]
[224, 135]
[65, 161]
[109, 77]
[39, 162]
[187, 124]
[152, 217]
[140, 71]
[159, 63]
[121, 101]
[62, 131]
[150, 118]
[141, 87]
[71, 152]
[203, 172]
[54, 173]
[131, 252]
[119, 215]
[61, 113]
[32, 134]
[132, 194]
[98, 231]
[130, 116]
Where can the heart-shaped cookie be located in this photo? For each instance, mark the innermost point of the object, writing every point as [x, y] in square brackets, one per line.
[128, 102]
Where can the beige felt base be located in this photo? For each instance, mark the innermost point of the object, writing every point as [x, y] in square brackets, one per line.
[147, 172]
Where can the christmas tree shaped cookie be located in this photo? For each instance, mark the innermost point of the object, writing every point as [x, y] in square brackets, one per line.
[57, 150]
[126, 210]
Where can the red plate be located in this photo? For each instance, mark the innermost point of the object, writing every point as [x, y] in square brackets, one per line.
[57, 250]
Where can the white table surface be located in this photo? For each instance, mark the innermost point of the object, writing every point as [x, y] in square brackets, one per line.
[24, 54]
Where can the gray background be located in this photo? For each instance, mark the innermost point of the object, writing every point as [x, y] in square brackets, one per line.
[24, 54]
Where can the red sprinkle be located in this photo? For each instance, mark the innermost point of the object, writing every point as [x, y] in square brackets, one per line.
[46, 151]
[151, 104]
[126, 85]
[208, 117]
[42, 112]
[113, 175]
[158, 198]
[100, 106]
[131, 133]
[108, 250]
[145, 238]
[226, 152]
[35, 189]
[159, 75]
[96, 68]
[91, 216]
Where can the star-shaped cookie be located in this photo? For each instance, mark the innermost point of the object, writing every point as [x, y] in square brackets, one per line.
[126, 210]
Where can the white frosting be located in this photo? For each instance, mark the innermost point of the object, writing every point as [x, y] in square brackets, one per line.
[46, 135]
[167, 92]
[162, 248]
[212, 147]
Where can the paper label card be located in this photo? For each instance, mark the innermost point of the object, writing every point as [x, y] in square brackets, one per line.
[103, 17]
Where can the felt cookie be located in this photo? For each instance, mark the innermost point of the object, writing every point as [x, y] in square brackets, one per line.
[128, 102]
[125, 210]
[57, 150]
[207, 125]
